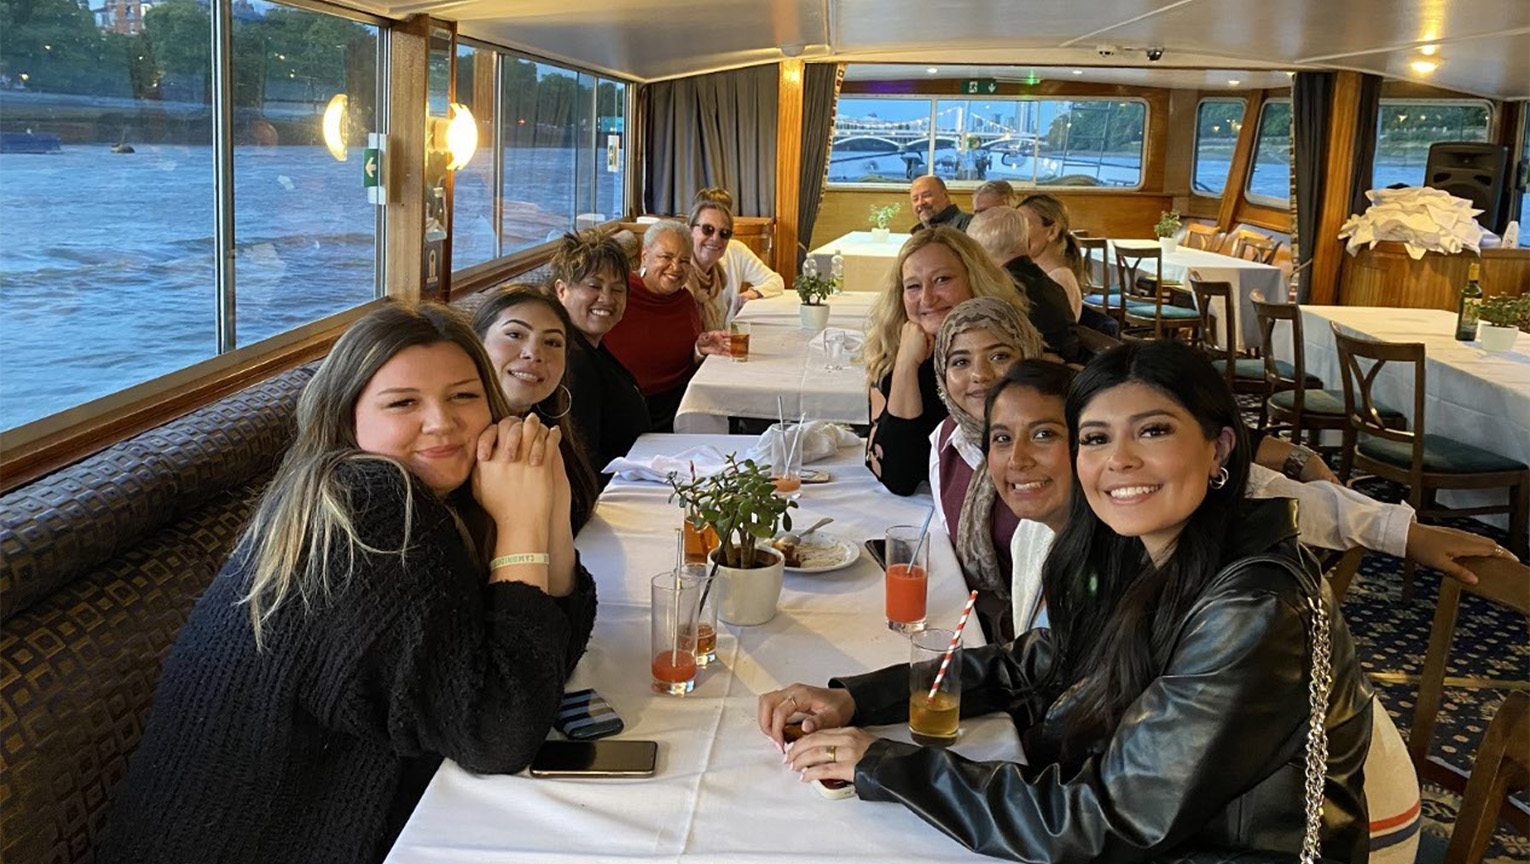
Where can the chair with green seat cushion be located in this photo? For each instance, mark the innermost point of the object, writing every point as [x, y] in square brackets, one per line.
[1253, 367]
[1104, 295]
[1148, 313]
[1329, 403]
[1425, 463]
[1243, 374]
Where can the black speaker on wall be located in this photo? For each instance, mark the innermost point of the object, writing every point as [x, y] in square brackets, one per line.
[1474, 171]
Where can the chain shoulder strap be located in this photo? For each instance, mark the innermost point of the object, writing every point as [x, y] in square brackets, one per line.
[1318, 690]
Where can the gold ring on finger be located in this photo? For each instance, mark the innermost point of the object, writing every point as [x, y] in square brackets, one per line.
[833, 753]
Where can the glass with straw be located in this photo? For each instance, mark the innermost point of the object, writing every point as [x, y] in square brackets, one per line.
[675, 599]
[935, 687]
[907, 576]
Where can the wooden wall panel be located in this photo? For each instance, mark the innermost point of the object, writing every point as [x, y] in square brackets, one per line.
[406, 160]
[1327, 248]
[1104, 214]
[788, 167]
[1386, 276]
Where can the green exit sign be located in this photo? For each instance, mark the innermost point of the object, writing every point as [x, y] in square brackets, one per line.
[980, 87]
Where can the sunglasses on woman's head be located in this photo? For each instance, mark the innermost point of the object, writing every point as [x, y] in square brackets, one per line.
[709, 230]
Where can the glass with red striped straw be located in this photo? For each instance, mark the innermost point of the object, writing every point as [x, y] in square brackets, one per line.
[934, 687]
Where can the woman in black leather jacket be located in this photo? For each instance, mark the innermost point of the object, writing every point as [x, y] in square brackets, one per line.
[1167, 709]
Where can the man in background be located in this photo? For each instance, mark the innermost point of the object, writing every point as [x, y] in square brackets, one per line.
[932, 205]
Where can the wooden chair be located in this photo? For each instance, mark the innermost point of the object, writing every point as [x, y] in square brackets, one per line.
[1104, 297]
[1256, 247]
[1094, 341]
[1426, 463]
[1244, 374]
[1507, 583]
[1144, 307]
[1204, 237]
[1305, 407]
[1502, 765]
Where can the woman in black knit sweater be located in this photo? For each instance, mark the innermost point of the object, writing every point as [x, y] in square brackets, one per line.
[381, 613]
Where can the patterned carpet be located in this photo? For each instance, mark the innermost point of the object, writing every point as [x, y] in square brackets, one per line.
[1392, 636]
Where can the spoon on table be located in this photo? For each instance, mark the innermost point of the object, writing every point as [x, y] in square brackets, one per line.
[794, 538]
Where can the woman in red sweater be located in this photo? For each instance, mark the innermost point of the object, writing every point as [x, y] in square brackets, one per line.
[660, 339]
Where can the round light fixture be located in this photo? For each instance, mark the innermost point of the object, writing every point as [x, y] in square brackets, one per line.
[461, 136]
[1423, 67]
[337, 126]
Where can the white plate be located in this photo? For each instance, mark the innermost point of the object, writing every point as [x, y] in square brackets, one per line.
[825, 552]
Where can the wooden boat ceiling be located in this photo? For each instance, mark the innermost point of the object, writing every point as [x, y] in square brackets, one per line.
[1481, 46]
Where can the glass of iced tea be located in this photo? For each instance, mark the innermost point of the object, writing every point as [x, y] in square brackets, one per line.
[738, 341]
[933, 719]
[699, 542]
[786, 460]
[907, 578]
[676, 599]
[706, 614]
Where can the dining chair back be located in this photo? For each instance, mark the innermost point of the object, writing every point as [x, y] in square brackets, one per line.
[1253, 246]
[1502, 766]
[1144, 294]
[1203, 237]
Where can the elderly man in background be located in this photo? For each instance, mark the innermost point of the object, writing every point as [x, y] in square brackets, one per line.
[932, 205]
[994, 193]
[1001, 231]
[740, 264]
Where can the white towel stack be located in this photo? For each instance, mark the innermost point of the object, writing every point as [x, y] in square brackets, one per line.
[1422, 219]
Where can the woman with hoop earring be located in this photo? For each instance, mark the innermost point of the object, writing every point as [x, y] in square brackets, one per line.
[661, 339]
[525, 331]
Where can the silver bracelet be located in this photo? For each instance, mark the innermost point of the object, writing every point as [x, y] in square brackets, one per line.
[1296, 461]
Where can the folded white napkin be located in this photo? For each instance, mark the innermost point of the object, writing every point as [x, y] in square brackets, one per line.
[706, 460]
[853, 339]
[820, 440]
[1423, 220]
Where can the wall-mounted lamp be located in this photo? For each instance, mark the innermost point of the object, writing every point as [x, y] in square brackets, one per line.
[461, 137]
[337, 126]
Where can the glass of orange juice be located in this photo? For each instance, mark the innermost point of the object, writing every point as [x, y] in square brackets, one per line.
[934, 718]
[907, 578]
[676, 598]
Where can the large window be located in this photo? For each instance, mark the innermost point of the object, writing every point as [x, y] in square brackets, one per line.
[1029, 142]
[1270, 181]
[1523, 172]
[474, 239]
[1404, 131]
[107, 203]
[1217, 122]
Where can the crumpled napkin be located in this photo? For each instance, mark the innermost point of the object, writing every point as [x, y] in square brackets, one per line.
[820, 440]
[706, 459]
[1422, 219]
[853, 339]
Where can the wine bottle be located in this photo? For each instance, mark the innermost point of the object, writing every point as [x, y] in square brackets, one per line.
[1466, 308]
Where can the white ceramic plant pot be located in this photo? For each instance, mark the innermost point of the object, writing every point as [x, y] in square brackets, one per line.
[1168, 244]
[749, 597]
[879, 234]
[814, 318]
[1495, 338]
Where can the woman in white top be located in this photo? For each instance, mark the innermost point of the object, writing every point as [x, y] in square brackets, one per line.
[740, 265]
[1026, 439]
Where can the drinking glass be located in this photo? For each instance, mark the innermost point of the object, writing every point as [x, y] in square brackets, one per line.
[706, 616]
[907, 578]
[933, 720]
[786, 459]
[738, 341]
[676, 599]
[699, 542]
[834, 347]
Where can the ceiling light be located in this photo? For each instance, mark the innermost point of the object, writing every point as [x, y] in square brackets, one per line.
[1233, 82]
[1423, 67]
[1428, 50]
[932, 70]
[1078, 71]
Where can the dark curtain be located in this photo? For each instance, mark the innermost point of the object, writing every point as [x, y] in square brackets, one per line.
[1365, 141]
[820, 98]
[1311, 113]
[712, 130]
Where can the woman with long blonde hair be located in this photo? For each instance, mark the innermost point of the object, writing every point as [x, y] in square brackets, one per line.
[937, 269]
[407, 591]
[1053, 246]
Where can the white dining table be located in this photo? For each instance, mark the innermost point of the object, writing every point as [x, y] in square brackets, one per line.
[1243, 275]
[1475, 396]
[867, 258]
[721, 793]
[845, 310]
[784, 364]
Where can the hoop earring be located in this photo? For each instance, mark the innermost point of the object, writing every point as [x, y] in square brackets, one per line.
[567, 406]
[1220, 479]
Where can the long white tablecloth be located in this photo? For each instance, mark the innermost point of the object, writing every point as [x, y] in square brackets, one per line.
[867, 259]
[845, 310]
[721, 793]
[782, 364]
[1244, 276]
[1475, 396]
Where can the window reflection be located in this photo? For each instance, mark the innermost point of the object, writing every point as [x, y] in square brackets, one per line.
[1269, 182]
[1217, 122]
[1404, 131]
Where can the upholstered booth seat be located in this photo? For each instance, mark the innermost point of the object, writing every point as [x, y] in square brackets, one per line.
[100, 564]
[1441, 455]
[1330, 402]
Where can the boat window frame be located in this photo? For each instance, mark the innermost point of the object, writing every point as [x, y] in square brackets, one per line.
[1253, 159]
[1195, 151]
[972, 185]
[526, 257]
[1381, 107]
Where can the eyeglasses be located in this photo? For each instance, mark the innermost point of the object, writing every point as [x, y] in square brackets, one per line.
[709, 230]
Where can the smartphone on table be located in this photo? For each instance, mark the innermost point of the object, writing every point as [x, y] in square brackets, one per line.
[877, 548]
[604, 758]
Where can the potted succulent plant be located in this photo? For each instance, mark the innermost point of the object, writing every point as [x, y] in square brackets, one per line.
[814, 290]
[881, 217]
[1167, 229]
[740, 504]
[1500, 321]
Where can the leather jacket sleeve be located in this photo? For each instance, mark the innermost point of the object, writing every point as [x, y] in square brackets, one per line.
[1229, 710]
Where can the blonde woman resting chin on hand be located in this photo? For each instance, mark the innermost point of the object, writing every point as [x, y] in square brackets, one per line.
[407, 592]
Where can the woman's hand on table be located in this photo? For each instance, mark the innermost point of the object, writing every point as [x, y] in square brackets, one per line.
[824, 707]
[830, 754]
